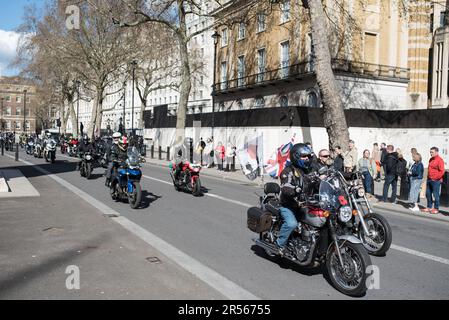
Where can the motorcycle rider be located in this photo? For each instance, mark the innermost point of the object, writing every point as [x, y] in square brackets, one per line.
[47, 139]
[117, 151]
[181, 155]
[83, 147]
[294, 182]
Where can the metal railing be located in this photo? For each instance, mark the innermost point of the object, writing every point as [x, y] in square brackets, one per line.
[305, 68]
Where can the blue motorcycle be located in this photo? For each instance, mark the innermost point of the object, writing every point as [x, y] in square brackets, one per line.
[126, 184]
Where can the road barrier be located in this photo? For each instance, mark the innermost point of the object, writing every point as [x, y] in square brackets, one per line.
[152, 151]
[168, 153]
[160, 153]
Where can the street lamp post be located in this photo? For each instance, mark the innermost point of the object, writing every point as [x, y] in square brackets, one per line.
[2, 124]
[216, 36]
[78, 107]
[24, 109]
[134, 65]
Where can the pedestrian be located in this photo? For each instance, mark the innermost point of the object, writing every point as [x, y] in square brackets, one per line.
[220, 152]
[434, 179]
[383, 155]
[338, 159]
[350, 157]
[367, 166]
[415, 175]
[391, 177]
[201, 147]
[376, 154]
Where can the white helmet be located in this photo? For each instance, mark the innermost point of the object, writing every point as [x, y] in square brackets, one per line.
[117, 135]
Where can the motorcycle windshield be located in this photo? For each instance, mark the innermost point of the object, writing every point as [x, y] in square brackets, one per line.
[133, 157]
[329, 194]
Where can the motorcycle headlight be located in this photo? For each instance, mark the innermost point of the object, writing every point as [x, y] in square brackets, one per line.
[88, 157]
[360, 192]
[345, 214]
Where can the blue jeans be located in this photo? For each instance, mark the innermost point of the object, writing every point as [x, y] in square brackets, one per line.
[368, 182]
[393, 180]
[415, 188]
[433, 188]
[289, 224]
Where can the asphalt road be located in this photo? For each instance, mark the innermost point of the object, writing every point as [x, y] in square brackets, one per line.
[212, 230]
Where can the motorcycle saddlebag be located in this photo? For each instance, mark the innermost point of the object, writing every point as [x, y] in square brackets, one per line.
[258, 220]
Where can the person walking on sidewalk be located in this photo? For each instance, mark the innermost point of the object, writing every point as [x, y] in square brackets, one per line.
[415, 175]
[367, 166]
[391, 177]
[434, 180]
[220, 152]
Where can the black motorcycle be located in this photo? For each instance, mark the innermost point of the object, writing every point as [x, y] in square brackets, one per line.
[321, 237]
[86, 165]
[29, 148]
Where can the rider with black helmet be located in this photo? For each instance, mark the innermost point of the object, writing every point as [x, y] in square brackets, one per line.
[294, 181]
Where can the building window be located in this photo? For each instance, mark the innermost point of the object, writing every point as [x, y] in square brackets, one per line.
[261, 58]
[8, 111]
[285, 11]
[442, 13]
[242, 31]
[259, 102]
[18, 99]
[260, 22]
[8, 98]
[285, 59]
[27, 125]
[8, 125]
[224, 77]
[28, 112]
[201, 94]
[224, 37]
[241, 71]
[18, 125]
[18, 111]
[283, 101]
[370, 48]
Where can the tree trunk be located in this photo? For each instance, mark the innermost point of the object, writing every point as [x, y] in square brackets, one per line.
[186, 86]
[73, 118]
[334, 116]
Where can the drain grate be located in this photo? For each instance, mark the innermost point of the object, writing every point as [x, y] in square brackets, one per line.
[153, 260]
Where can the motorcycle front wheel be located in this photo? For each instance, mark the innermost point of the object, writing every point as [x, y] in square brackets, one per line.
[46, 156]
[136, 196]
[88, 170]
[379, 240]
[349, 279]
[196, 189]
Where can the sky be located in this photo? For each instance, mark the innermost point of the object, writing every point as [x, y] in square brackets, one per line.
[11, 14]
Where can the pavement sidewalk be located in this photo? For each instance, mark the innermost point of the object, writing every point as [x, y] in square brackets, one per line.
[239, 177]
[40, 237]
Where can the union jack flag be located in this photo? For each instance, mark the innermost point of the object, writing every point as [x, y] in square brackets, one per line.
[280, 159]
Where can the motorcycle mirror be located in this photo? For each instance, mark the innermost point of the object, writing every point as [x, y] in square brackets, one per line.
[322, 170]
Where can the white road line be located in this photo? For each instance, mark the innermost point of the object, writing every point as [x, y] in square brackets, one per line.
[420, 254]
[207, 194]
[215, 280]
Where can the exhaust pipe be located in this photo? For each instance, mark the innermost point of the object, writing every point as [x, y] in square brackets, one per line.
[271, 248]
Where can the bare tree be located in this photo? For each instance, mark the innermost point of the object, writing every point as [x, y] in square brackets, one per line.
[172, 15]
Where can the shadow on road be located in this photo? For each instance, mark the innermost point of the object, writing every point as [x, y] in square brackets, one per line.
[147, 199]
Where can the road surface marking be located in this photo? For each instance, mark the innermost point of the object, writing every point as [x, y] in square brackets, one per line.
[420, 254]
[215, 280]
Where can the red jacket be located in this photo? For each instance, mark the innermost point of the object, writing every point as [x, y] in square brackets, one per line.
[436, 169]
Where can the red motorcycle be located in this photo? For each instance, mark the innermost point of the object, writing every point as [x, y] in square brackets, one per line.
[188, 178]
[64, 146]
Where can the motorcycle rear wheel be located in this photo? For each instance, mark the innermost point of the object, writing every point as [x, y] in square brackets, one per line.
[135, 198]
[380, 242]
[351, 278]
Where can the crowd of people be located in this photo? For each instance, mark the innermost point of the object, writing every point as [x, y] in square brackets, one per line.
[390, 165]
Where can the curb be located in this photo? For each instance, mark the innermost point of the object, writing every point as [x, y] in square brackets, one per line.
[406, 212]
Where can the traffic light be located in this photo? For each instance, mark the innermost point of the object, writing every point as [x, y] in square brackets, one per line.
[58, 123]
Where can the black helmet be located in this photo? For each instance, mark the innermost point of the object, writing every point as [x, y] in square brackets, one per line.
[297, 154]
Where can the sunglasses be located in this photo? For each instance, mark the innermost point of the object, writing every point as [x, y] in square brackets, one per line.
[325, 156]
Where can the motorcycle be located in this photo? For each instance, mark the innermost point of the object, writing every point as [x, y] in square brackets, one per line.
[126, 183]
[72, 148]
[320, 237]
[189, 178]
[371, 228]
[37, 149]
[64, 146]
[50, 151]
[29, 149]
[86, 165]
